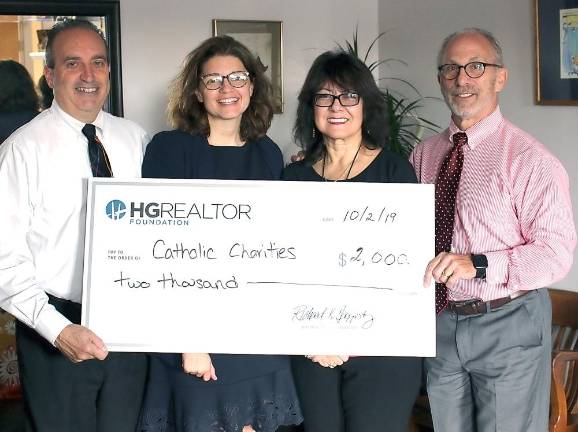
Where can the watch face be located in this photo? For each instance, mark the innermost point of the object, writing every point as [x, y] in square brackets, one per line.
[479, 261]
[480, 273]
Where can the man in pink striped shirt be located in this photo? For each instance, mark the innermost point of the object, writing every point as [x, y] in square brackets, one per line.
[513, 235]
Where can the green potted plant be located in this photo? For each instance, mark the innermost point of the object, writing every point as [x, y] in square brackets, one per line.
[406, 127]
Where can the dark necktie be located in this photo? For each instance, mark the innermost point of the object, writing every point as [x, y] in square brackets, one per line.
[446, 188]
[99, 162]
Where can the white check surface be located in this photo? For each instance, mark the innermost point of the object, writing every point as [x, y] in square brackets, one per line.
[260, 267]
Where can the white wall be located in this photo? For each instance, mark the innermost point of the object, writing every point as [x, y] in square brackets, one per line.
[156, 36]
[416, 29]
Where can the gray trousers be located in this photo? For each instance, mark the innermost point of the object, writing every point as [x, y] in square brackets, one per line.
[492, 371]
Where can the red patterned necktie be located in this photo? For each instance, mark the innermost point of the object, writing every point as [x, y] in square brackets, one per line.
[446, 187]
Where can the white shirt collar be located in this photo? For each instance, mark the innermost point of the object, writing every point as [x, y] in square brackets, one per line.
[77, 124]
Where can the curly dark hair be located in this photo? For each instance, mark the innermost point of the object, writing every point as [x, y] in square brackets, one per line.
[185, 112]
[348, 72]
[17, 91]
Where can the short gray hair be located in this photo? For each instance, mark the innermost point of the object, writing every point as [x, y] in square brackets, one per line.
[473, 30]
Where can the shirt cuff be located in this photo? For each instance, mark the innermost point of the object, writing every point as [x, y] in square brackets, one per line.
[51, 323]
[497, 271]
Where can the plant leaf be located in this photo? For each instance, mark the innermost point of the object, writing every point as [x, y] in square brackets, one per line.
[405, 126]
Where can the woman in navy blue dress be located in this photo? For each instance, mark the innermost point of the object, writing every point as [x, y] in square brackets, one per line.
[221, 107]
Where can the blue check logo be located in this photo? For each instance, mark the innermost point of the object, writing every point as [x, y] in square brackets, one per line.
[115, 209]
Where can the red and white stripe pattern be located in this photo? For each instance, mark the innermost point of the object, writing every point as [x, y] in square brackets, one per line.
[513, 205]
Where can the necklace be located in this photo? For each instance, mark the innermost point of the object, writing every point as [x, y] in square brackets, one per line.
[348, 170]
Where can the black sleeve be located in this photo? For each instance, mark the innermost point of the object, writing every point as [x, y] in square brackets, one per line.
[273, 156]
[401, 171]
[405, 173]
[291, 172]
[164, 157]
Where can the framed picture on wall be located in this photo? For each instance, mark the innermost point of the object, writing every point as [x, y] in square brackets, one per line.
[265, 40]
[556, 52]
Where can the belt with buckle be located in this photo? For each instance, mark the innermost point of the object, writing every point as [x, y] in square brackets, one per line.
[476, 307]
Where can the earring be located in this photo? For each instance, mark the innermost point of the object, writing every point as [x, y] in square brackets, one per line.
[314, 134]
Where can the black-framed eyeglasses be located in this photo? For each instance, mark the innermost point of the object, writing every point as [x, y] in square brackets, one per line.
[327, 99]
[472, 69]
[214, 81]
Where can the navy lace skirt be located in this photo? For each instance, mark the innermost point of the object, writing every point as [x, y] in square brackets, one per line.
[254, 390]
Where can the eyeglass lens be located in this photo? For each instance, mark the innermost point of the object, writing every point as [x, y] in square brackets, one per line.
[472, 69]
[216, 81]
[345, 99]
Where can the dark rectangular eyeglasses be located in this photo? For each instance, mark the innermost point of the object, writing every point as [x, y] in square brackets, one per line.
[327, 99]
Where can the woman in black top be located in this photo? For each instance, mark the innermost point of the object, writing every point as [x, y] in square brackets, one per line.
[221, 107]
[342, 127]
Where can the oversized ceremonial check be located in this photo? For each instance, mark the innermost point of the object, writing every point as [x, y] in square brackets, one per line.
[260, 267]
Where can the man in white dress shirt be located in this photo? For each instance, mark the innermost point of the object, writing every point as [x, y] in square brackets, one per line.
[70, 381]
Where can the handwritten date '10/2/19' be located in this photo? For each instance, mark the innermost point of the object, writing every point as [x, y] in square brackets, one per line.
[366, 214]
[361, 257]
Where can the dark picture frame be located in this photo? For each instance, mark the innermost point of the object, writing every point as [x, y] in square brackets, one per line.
[109, 10]
[556, 65]
[265, 40]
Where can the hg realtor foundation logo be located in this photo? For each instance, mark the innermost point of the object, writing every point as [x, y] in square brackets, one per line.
[115, 209]
[175, 213]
